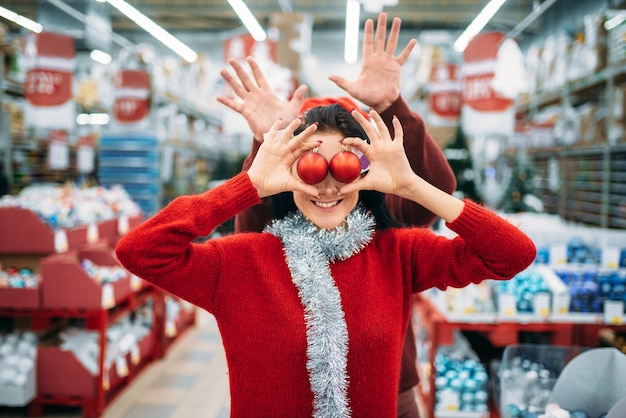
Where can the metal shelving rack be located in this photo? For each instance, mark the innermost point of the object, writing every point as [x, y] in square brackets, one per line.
[591, 175]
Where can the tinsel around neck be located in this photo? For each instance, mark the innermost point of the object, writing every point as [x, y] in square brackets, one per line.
[336, 244]
[309, 250]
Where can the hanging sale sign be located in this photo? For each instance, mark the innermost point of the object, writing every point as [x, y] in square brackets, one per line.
[132, 97]
[444, 95]
[485, 110]
[480, 58]
[49, 63]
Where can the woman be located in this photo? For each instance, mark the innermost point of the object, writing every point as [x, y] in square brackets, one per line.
[377, 86]
[313, 311]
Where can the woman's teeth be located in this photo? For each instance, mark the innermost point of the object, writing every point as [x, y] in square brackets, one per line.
[327, 204]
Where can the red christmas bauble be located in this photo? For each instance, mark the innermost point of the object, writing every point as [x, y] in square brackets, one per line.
[312, 167]
[345, 166]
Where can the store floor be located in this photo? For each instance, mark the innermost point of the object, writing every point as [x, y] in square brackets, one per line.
[191, 381]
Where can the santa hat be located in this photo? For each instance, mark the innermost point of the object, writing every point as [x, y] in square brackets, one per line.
[345, 102]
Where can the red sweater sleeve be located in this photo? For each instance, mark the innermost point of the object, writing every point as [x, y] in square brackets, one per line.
[161, 249]
[253, 219]
[426, 159]
[499, 252]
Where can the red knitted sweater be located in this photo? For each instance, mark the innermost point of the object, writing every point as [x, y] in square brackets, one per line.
[426, 159]
[244, 281]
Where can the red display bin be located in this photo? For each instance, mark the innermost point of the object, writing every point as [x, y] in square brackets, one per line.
[24, 298]
[107, 229]
[66, 285]
[60, 373]
[22, 231]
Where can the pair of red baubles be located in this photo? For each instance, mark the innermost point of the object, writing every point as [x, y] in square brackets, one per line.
[345, 166]
[312, 167]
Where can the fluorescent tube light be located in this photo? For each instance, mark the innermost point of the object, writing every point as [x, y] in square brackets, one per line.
[93, 119]
[100, 56]
[351, 48]
[21, 20]
[528, 20]
[614, 22]
[81, 17]
[248, 20]
[155, 30]
[477, 24]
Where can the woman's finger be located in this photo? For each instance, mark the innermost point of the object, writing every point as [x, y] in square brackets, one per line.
[398, 132]
[355, 142]
[366, 125]
[383, 132]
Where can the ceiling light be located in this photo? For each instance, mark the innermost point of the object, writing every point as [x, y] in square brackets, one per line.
[615, 21]
[532, 16]
[351, 48]
[93, 119]
[248, 20]
[20, 20]
[155, 30]
[477, 24]
[81, 17]
[100, 56]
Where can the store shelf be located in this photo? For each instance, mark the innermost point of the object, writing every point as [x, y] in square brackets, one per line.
[431, 325]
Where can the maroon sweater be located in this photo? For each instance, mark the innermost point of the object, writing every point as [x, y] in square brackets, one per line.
[427, 160]
[244, 281]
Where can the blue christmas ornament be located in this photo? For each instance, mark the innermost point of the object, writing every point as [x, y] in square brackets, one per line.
[578, 413]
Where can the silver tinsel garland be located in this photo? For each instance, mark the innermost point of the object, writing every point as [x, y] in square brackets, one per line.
[309, 250]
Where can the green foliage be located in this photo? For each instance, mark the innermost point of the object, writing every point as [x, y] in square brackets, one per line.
[460, 160]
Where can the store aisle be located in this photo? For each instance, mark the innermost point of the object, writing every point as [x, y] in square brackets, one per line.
[191, 381]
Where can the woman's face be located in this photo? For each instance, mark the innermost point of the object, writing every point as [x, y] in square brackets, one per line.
[329, 210]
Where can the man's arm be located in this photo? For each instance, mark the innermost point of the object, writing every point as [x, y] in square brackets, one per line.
[427, 160]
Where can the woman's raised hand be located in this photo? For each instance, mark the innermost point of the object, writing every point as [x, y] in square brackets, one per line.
[390, 171]
[270, 171]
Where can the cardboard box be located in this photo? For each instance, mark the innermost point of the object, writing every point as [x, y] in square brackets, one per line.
[19, 396]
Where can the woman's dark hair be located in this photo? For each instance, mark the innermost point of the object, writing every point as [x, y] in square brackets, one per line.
[334, 118]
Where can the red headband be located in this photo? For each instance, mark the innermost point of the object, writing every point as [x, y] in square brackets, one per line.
[345, 102]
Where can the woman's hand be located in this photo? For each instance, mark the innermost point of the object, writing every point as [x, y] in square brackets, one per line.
[390, 171]
[259, 104]
[270, 171]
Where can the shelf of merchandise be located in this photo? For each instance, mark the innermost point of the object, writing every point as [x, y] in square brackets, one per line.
[104, 388]
[46, 309]
[589, 172]
[431, 325]
[435, 328]
[172, 329]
